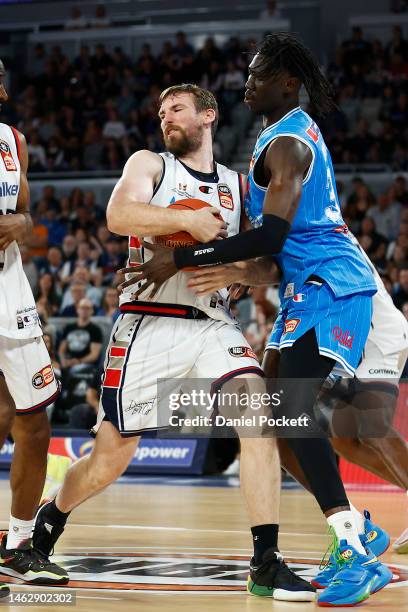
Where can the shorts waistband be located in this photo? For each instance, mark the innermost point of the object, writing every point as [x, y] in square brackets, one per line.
[158, 309]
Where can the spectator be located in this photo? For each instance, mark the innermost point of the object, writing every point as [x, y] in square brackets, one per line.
[77, 20]
[53, 264]
[29, 266]
[114, 128]
[400, 295]
[110, 304]
[83, 416]
[46, 294]
[101, 20]
[386, 215]
[83, 275]
[36, 153]
[81, 341]
[271, 11]
[76, 292]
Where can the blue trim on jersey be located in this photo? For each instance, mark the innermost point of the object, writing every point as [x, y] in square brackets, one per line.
[317, 242]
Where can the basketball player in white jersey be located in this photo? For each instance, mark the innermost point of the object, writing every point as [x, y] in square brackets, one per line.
[27, 381]
[376, 445]
[175, 335]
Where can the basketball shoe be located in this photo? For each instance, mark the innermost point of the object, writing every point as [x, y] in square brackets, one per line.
[29, 564]
[358, 577]
[374, 538]
[273, 578]
[46, 531]
[4, 590]
[401, 544]
[57, 467]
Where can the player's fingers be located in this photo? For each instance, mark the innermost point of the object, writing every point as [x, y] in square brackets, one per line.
[130, 269]
[141, 289]
[129, 282]
[149, 246]
[222, 233]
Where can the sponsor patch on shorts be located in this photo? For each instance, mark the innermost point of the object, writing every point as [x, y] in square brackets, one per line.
[291, 325]
[43, 378]
[242, 351]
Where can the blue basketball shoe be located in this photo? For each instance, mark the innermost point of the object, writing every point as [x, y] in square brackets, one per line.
[358, 577]
[374, 538]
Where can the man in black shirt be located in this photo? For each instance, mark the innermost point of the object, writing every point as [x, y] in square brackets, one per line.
[82, 340]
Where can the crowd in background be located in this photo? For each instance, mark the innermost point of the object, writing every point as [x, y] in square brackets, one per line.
[92, 113]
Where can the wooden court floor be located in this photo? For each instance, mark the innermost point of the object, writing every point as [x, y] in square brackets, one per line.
[186, 548]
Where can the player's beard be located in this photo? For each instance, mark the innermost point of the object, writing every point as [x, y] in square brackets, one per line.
[180, 143]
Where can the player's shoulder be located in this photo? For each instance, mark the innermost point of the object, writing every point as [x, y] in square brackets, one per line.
[145, 161]
[226, 171]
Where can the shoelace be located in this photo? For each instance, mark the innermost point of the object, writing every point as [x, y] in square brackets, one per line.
[332, 549]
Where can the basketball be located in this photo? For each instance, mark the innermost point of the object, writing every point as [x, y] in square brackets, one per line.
[182, 239]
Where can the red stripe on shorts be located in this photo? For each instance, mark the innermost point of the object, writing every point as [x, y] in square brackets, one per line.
[117, 351]
[112, 378]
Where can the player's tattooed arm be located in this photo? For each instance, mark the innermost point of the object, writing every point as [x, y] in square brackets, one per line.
[130, 214]
[18, 226]
[238, 275]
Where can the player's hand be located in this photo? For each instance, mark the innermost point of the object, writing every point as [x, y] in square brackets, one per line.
[206, 224]
[12, 227]
[155, 272]
[205, 281]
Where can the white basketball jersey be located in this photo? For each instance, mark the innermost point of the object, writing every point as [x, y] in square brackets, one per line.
[389, 328]
[18, 314]
[222, 189]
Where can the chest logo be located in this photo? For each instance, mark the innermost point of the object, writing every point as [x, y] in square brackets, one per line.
[8, 160]
[225, 196]
[205, 189]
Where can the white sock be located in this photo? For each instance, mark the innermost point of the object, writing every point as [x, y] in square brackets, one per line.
[359, 519]
[19, 531]
[345, 528]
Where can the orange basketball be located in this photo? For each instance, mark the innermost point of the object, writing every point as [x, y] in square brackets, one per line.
[181, 239]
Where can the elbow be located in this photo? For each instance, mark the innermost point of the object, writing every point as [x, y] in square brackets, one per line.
[113, 222]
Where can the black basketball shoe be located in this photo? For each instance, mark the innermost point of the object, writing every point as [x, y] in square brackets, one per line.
[273, 578]
[46, 531]
[30, 565]
[4, 590]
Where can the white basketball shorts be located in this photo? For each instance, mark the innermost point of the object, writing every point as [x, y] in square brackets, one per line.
[29, 375]
[145, 348]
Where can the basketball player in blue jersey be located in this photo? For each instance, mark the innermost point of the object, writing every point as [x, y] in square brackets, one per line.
[292, 204]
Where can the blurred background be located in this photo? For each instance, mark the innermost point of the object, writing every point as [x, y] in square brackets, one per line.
[84, 79]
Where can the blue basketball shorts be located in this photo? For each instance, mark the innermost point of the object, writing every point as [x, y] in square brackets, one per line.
[341, 324]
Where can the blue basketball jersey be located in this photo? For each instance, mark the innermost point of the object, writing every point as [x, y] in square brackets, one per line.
[317, 242]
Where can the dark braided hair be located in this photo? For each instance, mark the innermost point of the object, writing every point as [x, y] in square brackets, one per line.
[283, 51]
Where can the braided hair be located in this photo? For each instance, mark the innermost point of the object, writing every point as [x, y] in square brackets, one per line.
[283, 51]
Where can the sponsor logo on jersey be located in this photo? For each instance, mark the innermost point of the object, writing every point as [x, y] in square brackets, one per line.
[242, 351]
[313, 132]
[291, 325]
[203, 251]
[206, 189]
[289, 290]
[300, 297]
[7, 156]
[43, 378]
[342, 229]
[343, 338]
[225, 196]
[8, 190]
[383, 371]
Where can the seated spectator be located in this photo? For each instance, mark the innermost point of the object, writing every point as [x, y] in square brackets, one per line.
[271, 11]
[77, 20]
[81, 341]
[112, 258]
[53, 264]
[36, 153]
[37, 241]
[82, 275]
[386, 215]
[49, 343]
[110, 304]
[101, 20]
[56, 228]
[114, 127]
[29, 266]
[76, 292]
[47, 295]
[378, 243]
[83, 416]
[400, 294]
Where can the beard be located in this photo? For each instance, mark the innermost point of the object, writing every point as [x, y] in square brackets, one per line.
[180, 143]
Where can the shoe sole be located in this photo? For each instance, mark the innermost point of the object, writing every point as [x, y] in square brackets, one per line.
[35, 579]
[4, 591]
[279, 594]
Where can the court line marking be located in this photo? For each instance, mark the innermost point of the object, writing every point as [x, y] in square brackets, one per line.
[189, 529]
[241, 552]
